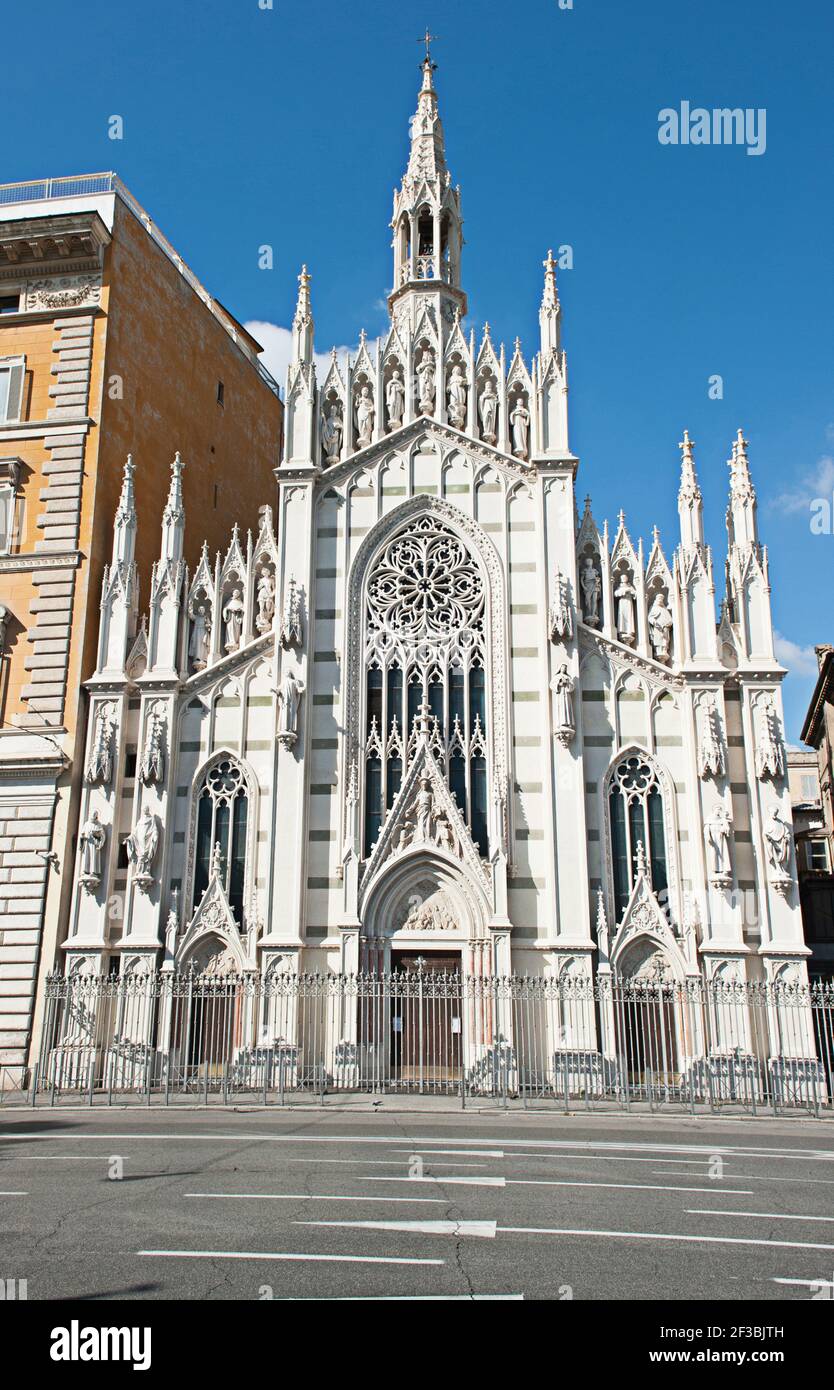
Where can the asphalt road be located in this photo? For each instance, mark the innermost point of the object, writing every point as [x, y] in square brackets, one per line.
[306, 1205]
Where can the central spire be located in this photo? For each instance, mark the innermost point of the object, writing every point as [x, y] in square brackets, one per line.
[427, 220]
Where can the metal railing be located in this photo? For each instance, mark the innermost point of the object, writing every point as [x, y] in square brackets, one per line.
[279, 1037]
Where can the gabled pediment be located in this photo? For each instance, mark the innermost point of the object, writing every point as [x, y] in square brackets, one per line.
[426, 427]
[644, 917]
[213, 917]
[425, 818]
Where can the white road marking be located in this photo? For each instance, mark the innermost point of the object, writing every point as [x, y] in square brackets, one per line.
[271, 1255]
[381, 1162]
[625, 1186]
[766, 1215]
[483, 1229]
[807, 1283]
[308, 1197]
[658, 1235]
[14, 1194]
[413, 1298]
[583, 1145]
[468, 1153]
[758, 1177]
[462, 1182]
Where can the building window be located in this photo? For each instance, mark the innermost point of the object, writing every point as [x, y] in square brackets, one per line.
[12, 373]
[425, 655]
[7, 500]
[810, 787]
[222, 818]
[635, 810]
[9, 303]
[221, 391]
[816, 855]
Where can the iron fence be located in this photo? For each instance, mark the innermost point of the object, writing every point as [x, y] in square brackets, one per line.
[276, 1038]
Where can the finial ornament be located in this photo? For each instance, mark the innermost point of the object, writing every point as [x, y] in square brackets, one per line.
[428, 39]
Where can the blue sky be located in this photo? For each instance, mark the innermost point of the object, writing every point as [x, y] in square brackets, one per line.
[288, 126]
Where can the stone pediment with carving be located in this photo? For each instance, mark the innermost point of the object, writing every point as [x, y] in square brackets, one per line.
[213, 917]
[425, 818]
[622, 658]
[446, 436]
[235, 664]
[644, 916]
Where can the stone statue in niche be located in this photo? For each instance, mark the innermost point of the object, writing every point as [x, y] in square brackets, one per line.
[266, 600]
[91, 839]
[563, 719]
[488, 410]
[199, 642]
[331, 434]
[423, 806]
[456, 393]
[717, 831]
[364, 417]
[520, 421]
[289, 699]
[591, 593]
[777, 838]
[426, 378]
[233, 618]
[142, 844]
[624, 596]
[395, 400]
[660, 627]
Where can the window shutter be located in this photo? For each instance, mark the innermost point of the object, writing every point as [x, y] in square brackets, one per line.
[17, 378]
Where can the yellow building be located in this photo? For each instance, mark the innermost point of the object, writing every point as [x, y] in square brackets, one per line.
[108, 345]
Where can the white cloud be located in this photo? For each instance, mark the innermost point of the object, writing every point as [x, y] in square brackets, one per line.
[277, 350]
[800, 661]
[818, 482]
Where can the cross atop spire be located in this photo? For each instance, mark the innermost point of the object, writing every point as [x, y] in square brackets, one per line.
[428, 39]
[689, 496]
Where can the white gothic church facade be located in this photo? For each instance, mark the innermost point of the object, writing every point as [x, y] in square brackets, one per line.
[432, 707]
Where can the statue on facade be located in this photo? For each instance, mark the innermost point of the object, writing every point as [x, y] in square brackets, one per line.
[660, 627]
[426, 378]
[520, 421]
[710, 752]
[331, 433]
[591, 593]
[142, 844]
[488, 411]
[100, 761]
[624, 596]
[364, 417]
[199, 642]
[456, 392]
[266, 600]
[717, 831]
[91, 839]
[289, 699]
[395, 400]
[563, 720]
[777, 838]
[769, 758]
[423, 805]
[233, 618]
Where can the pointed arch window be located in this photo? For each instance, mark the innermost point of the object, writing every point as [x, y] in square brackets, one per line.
[635, 811]
[425, 665]
[222, 820]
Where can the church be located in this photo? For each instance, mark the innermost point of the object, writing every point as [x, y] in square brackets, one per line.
[434, 709]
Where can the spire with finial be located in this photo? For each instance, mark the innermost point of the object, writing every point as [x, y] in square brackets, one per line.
[550, 312]
[302, 324]
[173, 518]
[741, 512]
[689, 496]
[126, 511]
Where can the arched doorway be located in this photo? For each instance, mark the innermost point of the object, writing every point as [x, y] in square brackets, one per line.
[647, 1019]
[209, 1011]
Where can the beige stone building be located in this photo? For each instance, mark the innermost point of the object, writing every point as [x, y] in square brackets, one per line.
[108, 345]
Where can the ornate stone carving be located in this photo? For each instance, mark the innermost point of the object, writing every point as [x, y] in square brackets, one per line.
[332, 428]
[777, 839]
[560, 618]
[199, 641]
[433, 915]
[488, 411]
[233, 619]
[660, 627]
[770, 760]
[91, 839]
[426, 378]
[292, 634]
[395, 400]
[426, 585]
[100, 760]
[142, 844]
[364, 417]
[624, 604]
[152, 766]
[456, 395]
[520, 421]
[62, 292]
[710, 752]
